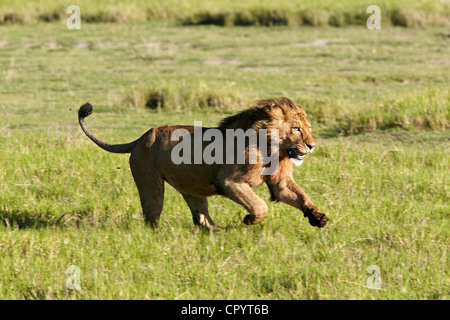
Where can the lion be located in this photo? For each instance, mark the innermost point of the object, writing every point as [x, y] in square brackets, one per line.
[151, 163]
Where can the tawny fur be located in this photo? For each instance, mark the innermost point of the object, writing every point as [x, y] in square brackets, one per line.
[151, 165]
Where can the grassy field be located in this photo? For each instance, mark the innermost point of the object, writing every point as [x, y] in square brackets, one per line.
[379, 105]
[419, 13]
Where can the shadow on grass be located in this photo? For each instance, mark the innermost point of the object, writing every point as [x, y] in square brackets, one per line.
[26, 219]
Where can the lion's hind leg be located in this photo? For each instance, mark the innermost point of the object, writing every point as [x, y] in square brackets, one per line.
[151, 193]
[199, 210]
[152, 200]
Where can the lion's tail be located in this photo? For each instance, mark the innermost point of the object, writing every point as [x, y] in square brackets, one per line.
[84, 111]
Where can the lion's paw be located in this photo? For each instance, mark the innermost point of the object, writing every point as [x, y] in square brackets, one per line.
[317, 219]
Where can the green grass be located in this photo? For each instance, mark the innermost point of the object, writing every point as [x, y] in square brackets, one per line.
[230, 13]
[386, 197]
[379, 105]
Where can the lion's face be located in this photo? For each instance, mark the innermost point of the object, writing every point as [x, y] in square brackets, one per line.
[301, 142]
[284, 115]
[295, 134]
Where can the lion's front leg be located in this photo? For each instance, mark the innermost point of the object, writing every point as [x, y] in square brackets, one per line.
[289, 192]
[243, 194]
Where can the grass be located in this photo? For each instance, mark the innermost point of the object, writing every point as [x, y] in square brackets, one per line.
[232, 13]
[379, 104]
[388, 208]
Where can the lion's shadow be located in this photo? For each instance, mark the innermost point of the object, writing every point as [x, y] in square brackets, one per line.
[26, 219]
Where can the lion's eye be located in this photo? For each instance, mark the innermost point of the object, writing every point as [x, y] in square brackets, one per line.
[297, 129]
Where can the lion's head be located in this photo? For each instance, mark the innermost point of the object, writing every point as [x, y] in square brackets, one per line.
[287, 117]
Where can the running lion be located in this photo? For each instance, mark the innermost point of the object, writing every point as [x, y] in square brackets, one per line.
[152, 165]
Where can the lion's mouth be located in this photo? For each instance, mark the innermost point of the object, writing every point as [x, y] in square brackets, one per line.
[295, 154]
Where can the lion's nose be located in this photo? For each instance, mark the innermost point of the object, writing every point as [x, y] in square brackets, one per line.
[311, 146]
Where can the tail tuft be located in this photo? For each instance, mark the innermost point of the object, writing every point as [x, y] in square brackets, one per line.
[85, 110]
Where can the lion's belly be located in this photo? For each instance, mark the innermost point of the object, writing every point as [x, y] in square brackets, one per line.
[194, 180]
